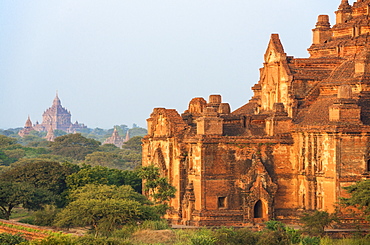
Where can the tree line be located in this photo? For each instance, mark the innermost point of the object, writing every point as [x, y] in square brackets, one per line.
[73, 148]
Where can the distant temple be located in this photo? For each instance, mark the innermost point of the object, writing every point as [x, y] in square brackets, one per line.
[55, 117]
[116, 139]
[27, 128]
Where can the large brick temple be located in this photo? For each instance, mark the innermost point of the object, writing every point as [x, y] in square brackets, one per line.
[303, 136]
[55, 117]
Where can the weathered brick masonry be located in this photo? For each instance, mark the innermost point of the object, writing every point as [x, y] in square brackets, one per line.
[302, 137]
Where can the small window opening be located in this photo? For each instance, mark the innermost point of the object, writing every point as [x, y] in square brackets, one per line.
[258, 209]
[368, 166]
[222, 202]
[319, 166]
[319, 202]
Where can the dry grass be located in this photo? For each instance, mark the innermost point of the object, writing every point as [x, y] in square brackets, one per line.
[153, 237]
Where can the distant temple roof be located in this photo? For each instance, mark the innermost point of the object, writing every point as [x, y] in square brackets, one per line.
[115, 139]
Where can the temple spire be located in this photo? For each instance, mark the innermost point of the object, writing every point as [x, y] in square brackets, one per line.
[344, 5]
[127, 136]
[28, 122]
[56, 101]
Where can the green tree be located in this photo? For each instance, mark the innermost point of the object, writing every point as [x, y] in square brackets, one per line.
[58, 132]
[10, 151]
[99, 131]
[10, 132]
[6, 141]
[14, 154]
[42, 174]
[155, 186]
[133, 144]
[106, 159]
[108, 148]
[12, 194]
[103, 175]
[74, 145]
[360, 197]
[314, 223]
[35, 152]
[105, 208]
[39, 134]
[33, 141]
[136, 131]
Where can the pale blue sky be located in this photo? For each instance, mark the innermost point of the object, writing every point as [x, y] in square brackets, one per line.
[113, 61]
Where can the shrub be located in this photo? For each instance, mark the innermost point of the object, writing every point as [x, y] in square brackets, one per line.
[274, 225]
[10, 239]
[310, 240]
[203, 240]
[291, 234]
[86, 240]
[203, 237]
[314, 223]
[46, 216]
[155, 225]
[274, 238]
[91, 240]
[231, 236]
[294, 235]
[126, 231]
[56, 240]
[183, 236]
[28, 220]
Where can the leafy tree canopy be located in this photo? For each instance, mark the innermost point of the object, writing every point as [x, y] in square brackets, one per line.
[11, 132]
[314, 223]
[360, 196]
[156, 187]
[106, 159]
[74, 145]
[103, 175]
[58, 132]
[13, 194]
[40, 173]
[133, 144]
[5, 141]
[10, 151]
[35, 152]
[105, 208]
[137, 131]
[32, 140]
[108, 148]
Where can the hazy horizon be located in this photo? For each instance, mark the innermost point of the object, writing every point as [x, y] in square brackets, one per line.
[113, 61]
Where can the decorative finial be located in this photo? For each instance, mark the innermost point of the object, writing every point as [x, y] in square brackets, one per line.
[344, 5]
[56, 100]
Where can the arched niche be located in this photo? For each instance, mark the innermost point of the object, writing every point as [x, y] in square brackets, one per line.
[259, 210]
[159, 161]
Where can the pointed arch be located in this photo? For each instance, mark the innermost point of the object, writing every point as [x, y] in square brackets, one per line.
[259, 211]
[159, 161]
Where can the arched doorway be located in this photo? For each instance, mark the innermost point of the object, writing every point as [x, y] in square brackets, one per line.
[258, 210]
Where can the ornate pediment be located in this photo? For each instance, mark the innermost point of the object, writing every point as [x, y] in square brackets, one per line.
[165, 123]
[275, 50]
[259, 190]
[258, 182]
